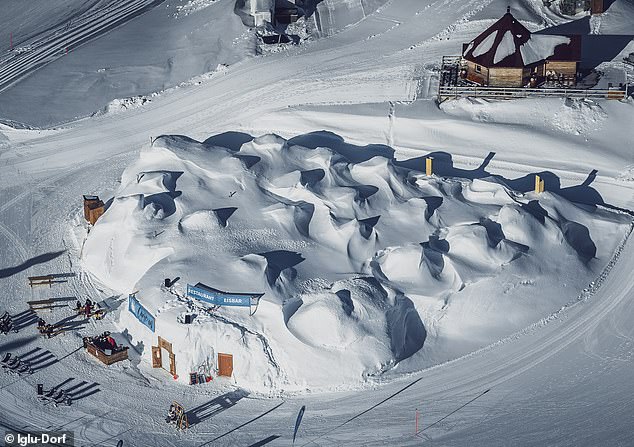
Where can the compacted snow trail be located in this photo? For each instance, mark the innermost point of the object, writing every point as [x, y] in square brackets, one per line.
[53, 46]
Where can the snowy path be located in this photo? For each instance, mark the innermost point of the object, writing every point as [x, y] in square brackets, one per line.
[50, 47]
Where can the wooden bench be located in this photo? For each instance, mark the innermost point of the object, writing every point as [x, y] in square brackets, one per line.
[43, 304]
[53, 331]
[41, 280]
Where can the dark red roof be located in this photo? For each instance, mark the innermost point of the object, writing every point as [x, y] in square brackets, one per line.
[496, 39]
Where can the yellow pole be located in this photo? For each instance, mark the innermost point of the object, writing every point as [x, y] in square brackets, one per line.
[428, 167]
[539, 184]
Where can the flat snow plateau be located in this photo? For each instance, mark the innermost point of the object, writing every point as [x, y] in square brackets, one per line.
[300, 174]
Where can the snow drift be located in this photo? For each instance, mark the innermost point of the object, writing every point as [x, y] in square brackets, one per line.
[367, 265]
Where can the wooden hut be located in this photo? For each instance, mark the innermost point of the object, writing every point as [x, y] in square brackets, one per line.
[93, 208]
[508, 55]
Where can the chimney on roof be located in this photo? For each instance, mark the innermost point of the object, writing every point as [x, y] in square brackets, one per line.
[508, 9]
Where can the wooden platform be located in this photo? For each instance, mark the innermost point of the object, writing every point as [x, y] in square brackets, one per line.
[107, 359]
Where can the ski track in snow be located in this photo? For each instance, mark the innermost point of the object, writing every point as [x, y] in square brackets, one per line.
[16, 66]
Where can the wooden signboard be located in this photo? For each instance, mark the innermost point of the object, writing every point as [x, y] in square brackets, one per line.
[225, 365]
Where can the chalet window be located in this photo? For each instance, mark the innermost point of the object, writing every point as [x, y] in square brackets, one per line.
[478, 68]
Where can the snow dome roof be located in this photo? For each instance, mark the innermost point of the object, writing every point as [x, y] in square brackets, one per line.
[508, 43]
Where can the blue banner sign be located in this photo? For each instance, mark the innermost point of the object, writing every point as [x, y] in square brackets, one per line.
[219, 298]
[140, 312]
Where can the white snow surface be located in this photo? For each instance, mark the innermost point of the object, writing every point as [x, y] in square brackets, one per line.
[564, 378]
[505, 48]
[486, 45]
[540, 47]
[364, 261]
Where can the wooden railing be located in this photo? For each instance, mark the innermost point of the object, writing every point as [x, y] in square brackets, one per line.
[454, 92]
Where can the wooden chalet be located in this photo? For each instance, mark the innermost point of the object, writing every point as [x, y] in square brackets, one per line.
[508, 55]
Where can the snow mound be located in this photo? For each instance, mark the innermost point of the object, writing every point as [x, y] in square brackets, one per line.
[367, 266]
[122, 104]
[192, 6]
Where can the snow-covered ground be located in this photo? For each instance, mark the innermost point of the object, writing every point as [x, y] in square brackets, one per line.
[365, 262]
[546, 328]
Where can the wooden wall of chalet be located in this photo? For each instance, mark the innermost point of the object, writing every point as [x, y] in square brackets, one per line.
[473, 75]
[517, 77]
[565, 68]
[506, 77]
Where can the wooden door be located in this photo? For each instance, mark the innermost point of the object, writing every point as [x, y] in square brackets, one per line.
[225, 365]
[157, 361]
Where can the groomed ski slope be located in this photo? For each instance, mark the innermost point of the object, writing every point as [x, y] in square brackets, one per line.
[75, 32]
[565, 380]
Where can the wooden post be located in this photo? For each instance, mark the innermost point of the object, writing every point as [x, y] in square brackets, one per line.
[539, 184]
[428, 166]
[172, 364]
[157, 360]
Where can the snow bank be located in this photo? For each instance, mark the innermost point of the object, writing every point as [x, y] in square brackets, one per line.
[366, 266]
[192, 6]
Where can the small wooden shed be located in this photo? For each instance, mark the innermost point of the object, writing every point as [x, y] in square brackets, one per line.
[93, 208]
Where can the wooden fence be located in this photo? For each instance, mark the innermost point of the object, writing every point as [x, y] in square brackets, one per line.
[454, 92]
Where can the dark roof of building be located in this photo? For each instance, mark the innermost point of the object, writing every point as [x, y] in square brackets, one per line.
[508, 43]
